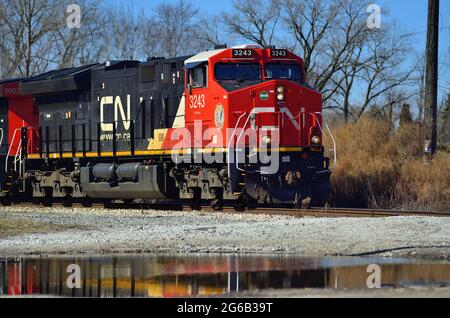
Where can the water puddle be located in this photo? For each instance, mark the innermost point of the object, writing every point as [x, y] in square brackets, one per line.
[206, 275]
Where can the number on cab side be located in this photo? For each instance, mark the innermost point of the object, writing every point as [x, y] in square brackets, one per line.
[197, 101]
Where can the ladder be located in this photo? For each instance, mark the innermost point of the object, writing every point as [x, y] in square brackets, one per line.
[230, 147]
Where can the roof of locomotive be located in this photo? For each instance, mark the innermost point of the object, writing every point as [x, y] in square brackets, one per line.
[165, 60]
[9, 87]
[11, 80]
[75, 78]
[61, 73]
[66, 79]
[201, 57]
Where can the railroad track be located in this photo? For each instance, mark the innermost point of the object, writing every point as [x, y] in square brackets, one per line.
[281, 211]
[343, 212]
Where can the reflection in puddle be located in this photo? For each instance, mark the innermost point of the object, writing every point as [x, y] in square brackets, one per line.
[204, 275]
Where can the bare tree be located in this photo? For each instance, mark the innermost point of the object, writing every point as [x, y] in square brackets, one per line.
[209, 32]
[83, 45]
[29, 26]
[174, 25]
[348, 57]
[310, 22]
[444, 122]
[4, 63]
[345, 81]
[339, 47]
[125, 33]
[254, 20]
[386, 69]
[151, 46]
[341, 54]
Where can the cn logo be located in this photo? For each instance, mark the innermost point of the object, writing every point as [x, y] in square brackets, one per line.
[374, 279]
[118, 111]
[374, 19]
[74, 18]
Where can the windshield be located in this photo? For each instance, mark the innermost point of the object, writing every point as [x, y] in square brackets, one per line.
[238, 72]
[283, 71]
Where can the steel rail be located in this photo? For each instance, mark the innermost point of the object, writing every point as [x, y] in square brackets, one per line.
[281, 211]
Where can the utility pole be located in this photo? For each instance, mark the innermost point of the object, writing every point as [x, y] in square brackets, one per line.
[431, 80]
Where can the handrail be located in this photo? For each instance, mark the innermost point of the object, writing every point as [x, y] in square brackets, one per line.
[331, 135]
[334, 142]
[1, 138]
[239, 138]
[230, 141]
[10, 148]
[18, 157]
[279, 114]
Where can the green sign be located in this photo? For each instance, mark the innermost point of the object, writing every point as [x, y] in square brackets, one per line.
[264, 95]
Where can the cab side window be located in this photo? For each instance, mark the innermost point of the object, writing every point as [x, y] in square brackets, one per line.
[198, 76]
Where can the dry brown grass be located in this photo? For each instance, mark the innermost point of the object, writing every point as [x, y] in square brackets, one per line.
[382, 168]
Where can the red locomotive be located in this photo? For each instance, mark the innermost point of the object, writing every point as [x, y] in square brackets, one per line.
[236, 125]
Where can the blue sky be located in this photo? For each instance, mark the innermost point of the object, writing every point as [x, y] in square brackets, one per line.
[410, 14]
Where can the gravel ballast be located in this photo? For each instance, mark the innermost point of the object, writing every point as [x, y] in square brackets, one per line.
[135, 231]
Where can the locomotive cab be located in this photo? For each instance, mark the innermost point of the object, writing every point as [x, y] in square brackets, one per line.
[254, 105]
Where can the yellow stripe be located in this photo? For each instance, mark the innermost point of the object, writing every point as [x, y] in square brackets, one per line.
[210, 150]
[155, 152]
[294, 149]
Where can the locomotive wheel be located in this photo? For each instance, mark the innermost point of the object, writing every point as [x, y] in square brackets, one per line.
[217, 204]
[6, 200]
[35, 201]
[297, 203]
[107, 203]
[86, 202]
[196, 203]
[306, 203]
[67, 201]
[47, 200]
[241, 203]
[303, 204]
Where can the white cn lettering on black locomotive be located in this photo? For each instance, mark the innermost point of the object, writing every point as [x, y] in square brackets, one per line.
[119, 111]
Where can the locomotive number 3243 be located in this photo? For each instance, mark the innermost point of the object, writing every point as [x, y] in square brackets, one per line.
[197, 101]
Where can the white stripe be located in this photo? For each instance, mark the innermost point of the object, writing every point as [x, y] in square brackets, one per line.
[179, 121]
[266, 128]
[285, 110]
[258, 110]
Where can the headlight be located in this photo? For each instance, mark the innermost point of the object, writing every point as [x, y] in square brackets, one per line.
[280, 93]
[315, 140]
